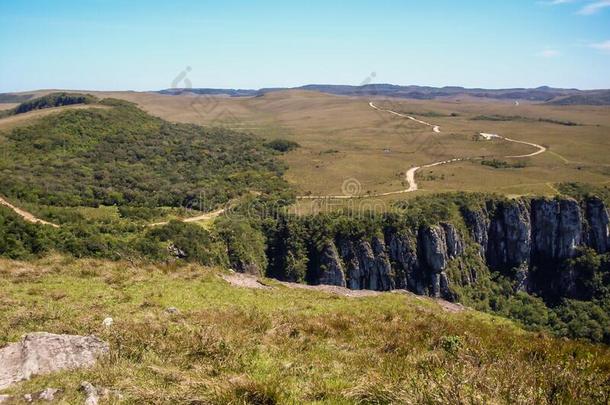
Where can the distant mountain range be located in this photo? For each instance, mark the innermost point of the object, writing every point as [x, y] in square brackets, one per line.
[542, 94]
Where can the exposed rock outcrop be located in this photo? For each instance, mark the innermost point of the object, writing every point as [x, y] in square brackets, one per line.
[331, 268]
[455, 245]
[43, 353]
[366, 267]
[477, 222]
[402, 253]
[92, 396]
[527, 240]
[352, 265]
[438, 245]
[509, 236]
[598, 235]
[381, 278]
[434, 248]
[556, 229]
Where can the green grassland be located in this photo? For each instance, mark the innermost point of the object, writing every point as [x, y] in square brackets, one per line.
[377, 148]
[283, 345]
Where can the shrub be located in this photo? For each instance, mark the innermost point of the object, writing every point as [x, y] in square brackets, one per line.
[20, 239]
[54, 100]
[282, 145]
[245, 245]
[501, 164]
[194, 243]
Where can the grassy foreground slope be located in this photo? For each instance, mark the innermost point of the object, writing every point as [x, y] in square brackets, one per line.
[283, 345]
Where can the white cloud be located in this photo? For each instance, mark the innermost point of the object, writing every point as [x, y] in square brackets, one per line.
[594, 7]
[556, 2]
[602, 46]
[549, 53]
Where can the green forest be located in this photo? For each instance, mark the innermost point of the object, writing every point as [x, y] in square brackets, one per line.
[122, 156]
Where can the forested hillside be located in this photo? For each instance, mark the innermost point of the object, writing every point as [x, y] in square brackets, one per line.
[49, 101]
[123, 156]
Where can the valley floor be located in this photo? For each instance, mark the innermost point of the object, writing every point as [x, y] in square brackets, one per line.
[276, 344]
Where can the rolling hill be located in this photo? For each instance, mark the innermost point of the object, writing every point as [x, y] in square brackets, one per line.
[540, 94]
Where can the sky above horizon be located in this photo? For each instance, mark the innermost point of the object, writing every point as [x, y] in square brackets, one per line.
[146, 45]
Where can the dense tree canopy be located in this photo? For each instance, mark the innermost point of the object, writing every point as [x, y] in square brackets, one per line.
[123, 156]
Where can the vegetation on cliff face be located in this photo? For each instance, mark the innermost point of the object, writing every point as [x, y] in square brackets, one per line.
[280, 345]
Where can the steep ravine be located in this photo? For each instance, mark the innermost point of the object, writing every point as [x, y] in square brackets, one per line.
[524, 239]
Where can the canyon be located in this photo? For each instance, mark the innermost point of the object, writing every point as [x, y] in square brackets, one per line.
[524, 239]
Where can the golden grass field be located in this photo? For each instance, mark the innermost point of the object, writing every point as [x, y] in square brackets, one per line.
[343, 138]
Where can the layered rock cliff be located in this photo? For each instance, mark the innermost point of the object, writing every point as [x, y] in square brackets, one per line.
[396, 260]
[527, 240]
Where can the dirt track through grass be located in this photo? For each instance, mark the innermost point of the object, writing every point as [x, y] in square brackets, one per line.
[410, 174]
[26, 215]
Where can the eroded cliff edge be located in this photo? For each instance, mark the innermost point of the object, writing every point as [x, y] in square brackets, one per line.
[526, 240]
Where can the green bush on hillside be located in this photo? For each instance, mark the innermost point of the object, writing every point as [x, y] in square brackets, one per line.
[54, 100]
[282, 145]
[20, 239]
[184, 241]
[245, 245]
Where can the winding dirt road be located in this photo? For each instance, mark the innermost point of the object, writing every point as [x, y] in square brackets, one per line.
[410, 174]
[26, 215]
[541, 149]
[35, 220]
[435, 128]
[202, 217]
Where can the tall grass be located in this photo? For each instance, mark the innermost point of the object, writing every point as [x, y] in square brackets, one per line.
[282, 345]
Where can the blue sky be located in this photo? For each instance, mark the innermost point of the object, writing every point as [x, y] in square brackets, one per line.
[144, 45]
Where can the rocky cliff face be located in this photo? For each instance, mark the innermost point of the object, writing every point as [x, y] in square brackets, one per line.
[557, 229]
[396, 260]
[366, 264]
[523, 239]
[331, 268]
[403, 257]
[598, 235]
[438, 245]
[509, 236]
[533, 238]
[478, 223]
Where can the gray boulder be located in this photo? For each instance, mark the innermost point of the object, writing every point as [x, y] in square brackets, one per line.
[92, 396]
[43, 353]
